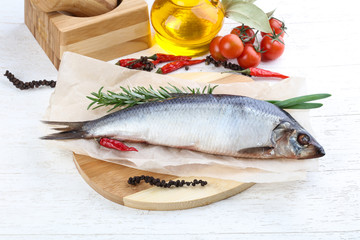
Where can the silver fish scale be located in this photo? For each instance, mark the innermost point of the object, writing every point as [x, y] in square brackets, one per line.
[216, 124]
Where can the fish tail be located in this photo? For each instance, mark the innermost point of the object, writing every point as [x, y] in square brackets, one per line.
[69, 130]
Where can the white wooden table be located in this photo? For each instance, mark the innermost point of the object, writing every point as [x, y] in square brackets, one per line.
[42, 196]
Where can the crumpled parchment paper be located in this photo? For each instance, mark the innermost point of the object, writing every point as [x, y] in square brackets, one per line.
[79, 76]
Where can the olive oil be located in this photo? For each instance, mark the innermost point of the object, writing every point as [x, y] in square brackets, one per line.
[186, 27]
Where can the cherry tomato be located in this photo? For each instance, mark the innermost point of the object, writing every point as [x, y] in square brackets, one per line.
[277, 26]
[231, 46]
[245, 33]
[249, 57]
[273, 47]
[215, 50]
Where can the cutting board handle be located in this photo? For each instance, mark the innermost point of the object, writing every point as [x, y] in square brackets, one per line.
[79, 8]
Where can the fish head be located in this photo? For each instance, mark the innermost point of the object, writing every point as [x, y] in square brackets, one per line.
[293, 141]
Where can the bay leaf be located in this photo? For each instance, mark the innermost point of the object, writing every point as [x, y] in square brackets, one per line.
[271, 13]
[248, 14]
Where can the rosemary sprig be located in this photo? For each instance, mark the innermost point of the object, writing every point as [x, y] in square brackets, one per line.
[139, 95]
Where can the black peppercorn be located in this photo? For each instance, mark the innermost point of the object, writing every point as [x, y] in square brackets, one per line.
[225, 64]
[27, 85]
[162, 183]
[145, 64]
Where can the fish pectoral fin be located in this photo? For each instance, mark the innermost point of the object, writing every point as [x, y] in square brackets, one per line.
[257, 151]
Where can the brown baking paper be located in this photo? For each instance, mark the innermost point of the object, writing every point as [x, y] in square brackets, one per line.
[79, 76]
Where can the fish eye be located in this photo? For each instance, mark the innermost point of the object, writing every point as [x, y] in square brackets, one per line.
[303, 139]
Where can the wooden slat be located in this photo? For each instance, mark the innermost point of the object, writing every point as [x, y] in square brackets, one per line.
[77, 29]
[105, 42]
[120, 50]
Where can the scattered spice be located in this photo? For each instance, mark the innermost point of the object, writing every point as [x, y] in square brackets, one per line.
[184, 61]
[170, 67]
[209, 60]
[162, 183]
[115, 144]
[143, 62]
[28, 85]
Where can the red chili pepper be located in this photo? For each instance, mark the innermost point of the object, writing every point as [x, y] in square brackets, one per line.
[170, 67]
[128, 62]
[115, 144]
[159, 57]
[258, 72]
[125, 62]
[156, 62]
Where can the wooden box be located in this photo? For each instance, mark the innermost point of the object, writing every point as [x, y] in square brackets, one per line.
[122, 31]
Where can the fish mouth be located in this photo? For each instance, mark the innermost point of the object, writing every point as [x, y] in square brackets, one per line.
[320, 152]
[313, 151]
[316, 149]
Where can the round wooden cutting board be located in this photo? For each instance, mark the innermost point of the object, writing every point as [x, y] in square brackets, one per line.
[110, 179]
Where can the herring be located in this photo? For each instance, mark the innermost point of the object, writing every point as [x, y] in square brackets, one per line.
[218, 124]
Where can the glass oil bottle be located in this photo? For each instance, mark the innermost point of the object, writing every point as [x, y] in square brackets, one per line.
[186, 27]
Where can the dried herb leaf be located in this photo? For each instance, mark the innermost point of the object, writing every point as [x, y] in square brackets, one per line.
[248, 14]
[270, 14]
